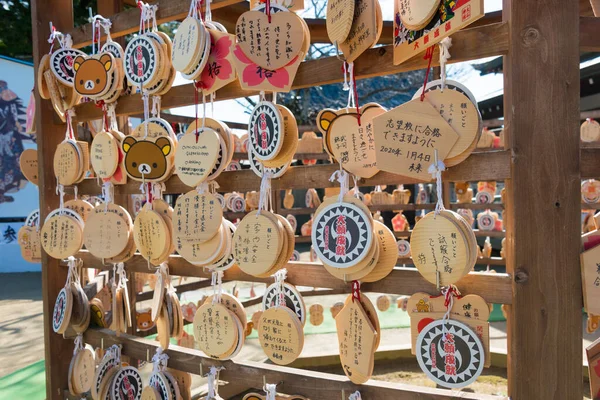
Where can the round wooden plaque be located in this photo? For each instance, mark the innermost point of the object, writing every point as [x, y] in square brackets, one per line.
[590, 131]
[105, 234]
[215, 330]
[293, 300]
[438, 245]
[150, 233]
[61, 315]
[416, 14]
[280, 334]
[62, 236]
[67, 163]
[186, 44]
[233, 304]
[257, 242]
[83, 371]
[196, 156]
[104, 154]
[266, 131]
[388, 253]
[340, 14]
[197, 217]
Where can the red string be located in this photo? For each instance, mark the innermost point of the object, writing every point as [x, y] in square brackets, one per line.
[199, 9]
[140, 5]
[268, 9]
[355, 96]
[428, 54]
[452, 291]
[355, 290]
[149, 192]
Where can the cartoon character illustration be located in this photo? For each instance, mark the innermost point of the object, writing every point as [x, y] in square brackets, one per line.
[147, 160]
[144, 320]
[92, 74]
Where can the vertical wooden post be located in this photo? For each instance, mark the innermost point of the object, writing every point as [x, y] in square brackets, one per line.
[541, 111]
[57, 350]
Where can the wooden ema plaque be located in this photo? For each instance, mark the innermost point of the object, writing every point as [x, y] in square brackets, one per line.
[364, 30]
[353, 145]
[270, 45]
[593, 356]
[219, 70]
[416, 14]
[257, 242]
[388, 253]
[589, 131]
[150, 233]
[197, 217]
[29, 240]
[186, 44]
[408, 136]
[82, 368]
[357, 339]
[590, 279]
[449, 18]
[196, 155]
[106, 233]
[215, 330]
[439, 245]
[340, 14]
[280, 334]
[28, 162]
[104, 154]
[61, 236]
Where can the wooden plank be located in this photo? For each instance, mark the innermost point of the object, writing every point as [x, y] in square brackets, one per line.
[589, 39]
[316, 385]
[128, 21]
[186, 287]
[495, 288]
[492, 165]
[474, 43]
[543, 200]
[57, 351]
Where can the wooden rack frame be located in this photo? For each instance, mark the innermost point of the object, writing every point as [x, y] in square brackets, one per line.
[542, 166]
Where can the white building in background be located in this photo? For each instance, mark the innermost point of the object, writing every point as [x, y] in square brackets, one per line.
[18, 197]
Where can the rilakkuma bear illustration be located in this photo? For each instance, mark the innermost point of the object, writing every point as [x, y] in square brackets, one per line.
[144, 320]
[92, 75]
[316, 314]
[147, 160]
[464, 194]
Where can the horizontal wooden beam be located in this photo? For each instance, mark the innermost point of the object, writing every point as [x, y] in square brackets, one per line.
[469, 44]
[589, 39]
[491, 165]
[315, 385]
[128, 21]
[186, 287]
[494, 288]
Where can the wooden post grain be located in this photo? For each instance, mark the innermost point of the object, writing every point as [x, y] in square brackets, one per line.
[57, 350]
[541, 103]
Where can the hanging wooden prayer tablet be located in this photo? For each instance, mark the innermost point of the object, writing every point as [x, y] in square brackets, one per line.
[293, 300]
[196, 155]
[186, 44]
[197, 217]
[357, 342]
[416, 14]
[265, 131]
[219, 70]
[104, 154]
[590, 279]
[408, 136]
[340, 14]
[67, 163]
[31, 246]
[61, 64]
[61, 315]
[215, 330]
[284, 30]
[257, 242]
[388, 253]
[94, 74]
[150, 393]
[148, 160]
[364, 31]
[160, 383]
[590, 131]
[106, 233]
[126, 385]
[257, 167]
[290, 139]
[28, 163]
[110, 362]
[441, 251]
[83, 371]
[151, 234]
[342, 234]
[450, 353]
[140, 62]
[349, 142]
[62, 236]
[280, 334]
[462, 115]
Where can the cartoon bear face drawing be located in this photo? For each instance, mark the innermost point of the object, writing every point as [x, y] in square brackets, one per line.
[146, 160]
[92, 74]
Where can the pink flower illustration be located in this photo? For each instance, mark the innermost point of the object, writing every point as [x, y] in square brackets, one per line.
[217, 66]
[254, 75]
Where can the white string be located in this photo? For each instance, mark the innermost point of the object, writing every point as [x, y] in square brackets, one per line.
[351, 102]
[279, 280]
[107, 194]
[355, 396]
[75, 192]
[192, 11]
[343, 178]
[217, 284]
[271, 390]
[145, 99]
[122, 275]
[207, 11]
[159, 360]
[60, 191]
[445, 45]
[156, 106]
[111, 113]
[345, 87]
[265, 191]
[436, 173]
[158, 189]
[202, 188]
[213, 382]
[78, 344]
[72, 274]
[452, 290]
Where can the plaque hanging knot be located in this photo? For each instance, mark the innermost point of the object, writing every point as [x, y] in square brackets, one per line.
[159, 360]
[355, 290]
[213, 382]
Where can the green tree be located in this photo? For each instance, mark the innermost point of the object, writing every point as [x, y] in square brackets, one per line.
[15, 26]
